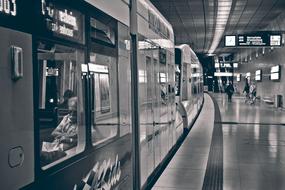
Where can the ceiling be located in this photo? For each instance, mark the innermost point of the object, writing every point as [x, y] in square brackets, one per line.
[194, 21]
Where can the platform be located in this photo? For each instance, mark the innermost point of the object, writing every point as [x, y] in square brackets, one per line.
[231, 146]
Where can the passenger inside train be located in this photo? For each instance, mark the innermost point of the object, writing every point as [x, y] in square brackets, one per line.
[66, 131]
[64, 135]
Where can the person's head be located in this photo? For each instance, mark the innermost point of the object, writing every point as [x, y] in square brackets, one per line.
[68, 94]
[72, 107]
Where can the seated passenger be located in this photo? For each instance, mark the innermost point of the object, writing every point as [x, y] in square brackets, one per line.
[66, 131]
[66, 96]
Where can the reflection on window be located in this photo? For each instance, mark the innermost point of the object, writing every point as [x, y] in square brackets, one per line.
[103, 72]
[102, 32]
[61, 112]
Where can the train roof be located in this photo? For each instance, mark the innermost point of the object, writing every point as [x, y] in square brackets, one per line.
[149, 6]
[119, 9]
[187, 53]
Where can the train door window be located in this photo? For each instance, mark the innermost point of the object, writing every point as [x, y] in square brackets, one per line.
[184, 82]
[105, 116]
[61, 104]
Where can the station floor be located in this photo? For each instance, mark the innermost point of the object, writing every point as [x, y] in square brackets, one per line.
[231, 146]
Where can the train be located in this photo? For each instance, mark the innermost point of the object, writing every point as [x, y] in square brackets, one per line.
[66, 94]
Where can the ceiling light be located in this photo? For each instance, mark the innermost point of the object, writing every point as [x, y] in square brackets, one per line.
[224, 8]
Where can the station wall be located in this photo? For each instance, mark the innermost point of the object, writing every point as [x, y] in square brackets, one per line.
[265, 88]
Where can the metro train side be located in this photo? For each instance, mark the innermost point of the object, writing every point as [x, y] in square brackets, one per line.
[84, 46]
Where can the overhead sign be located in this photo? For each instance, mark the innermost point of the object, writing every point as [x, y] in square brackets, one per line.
[259, 39]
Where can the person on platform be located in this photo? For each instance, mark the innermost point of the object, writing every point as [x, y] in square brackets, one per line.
[230, 91]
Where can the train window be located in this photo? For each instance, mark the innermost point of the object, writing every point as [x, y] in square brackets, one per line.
[61, 109]
[102, 32]
[103, 72]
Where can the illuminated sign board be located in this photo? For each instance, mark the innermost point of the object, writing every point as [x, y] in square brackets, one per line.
[230, 41]
[51, 71]
[226, 65]
[63, 22]
[223, 74]
[275, 72]
[259, 40]
[8, 7]
[98, 68]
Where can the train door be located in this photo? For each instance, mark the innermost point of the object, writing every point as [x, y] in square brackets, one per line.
[150, 113]
[164, 102]
[16, 112]
[172, 105]
[156, 107]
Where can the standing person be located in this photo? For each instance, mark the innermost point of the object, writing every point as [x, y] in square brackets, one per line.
[252, 92]
[230, 91]
[246, 91]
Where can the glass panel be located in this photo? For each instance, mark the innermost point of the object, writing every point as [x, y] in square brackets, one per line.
[61, 109]
[102, 32]
[105, 116]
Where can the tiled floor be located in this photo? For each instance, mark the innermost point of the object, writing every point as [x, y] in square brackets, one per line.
[253, 149]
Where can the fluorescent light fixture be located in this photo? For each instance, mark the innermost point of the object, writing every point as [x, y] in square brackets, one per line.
[224, 8]
[223, 74]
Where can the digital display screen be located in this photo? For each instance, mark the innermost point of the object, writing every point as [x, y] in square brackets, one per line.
[275, 72]
[230, 41]
[275, 69]
[63, 22]
[259, 40]
[258, 78]
[258, 75]
[274, 76]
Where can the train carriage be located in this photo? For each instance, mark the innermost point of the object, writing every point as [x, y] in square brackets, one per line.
[65, 111]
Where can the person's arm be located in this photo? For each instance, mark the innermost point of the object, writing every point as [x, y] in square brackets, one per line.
[57, 132]
[70, 136]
